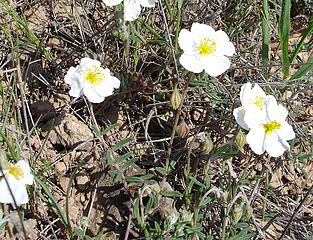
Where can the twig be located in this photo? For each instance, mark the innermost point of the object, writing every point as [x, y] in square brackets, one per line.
[130, 216]
[295, 212]
[179, 110]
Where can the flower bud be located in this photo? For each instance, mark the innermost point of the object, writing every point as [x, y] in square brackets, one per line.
[240, 139]
[207, 144]
[176, 99]
[182, 129]
[238, 212]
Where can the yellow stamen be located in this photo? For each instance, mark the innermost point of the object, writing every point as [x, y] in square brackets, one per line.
[94, 75]
[271, 126]
[207, 46]
[259, 102]
[15, 171]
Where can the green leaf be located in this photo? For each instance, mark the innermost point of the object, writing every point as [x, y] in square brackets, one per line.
[161, 170]
[141, 179]
[265, 37]
[80, 233]
[172, 194]
[304, 69]
[123, 158]
[105, 131]
[301, 42]
[121, 143]
[129, 163]
[137, 213]
[284, 30]
[54, 203]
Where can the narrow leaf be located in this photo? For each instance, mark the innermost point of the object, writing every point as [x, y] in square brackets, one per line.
[265, 37]
[300, 44]
[121, 143]
[53, 201]
[284, 30]
[105, 131]
[304, 69]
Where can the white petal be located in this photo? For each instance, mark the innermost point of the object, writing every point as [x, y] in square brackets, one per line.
[5, 196]
[239, 114]
[18, 189]
[88, 62]
[114, 82]
[28, 177]
[132, 10]
[286, 131]
[273, 146]
[271, 107]
[223, 45]
[200, 31]
[71, 75]
[255, 139]
[4, 171]
[112, 2]
[76, 90]
[257, 91]
[215, 65]
[245, 93]
[20, 194]
[73, 79]
[191, 63]
[92, 95]
[147, 3]
[282, 112]
[254, 117]
[185, 41]
[107, 87]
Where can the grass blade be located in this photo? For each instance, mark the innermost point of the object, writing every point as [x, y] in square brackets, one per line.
[300, 44]
[284, 30]
[265, 38]
[53, 201]
[304, 68]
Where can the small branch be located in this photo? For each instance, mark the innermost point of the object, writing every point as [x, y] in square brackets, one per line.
[295, 212]
[130, 216]
[178, 112]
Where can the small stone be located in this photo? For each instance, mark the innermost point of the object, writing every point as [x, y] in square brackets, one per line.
[60, 167]
[82, 182]
[64, 181]
[69, 132]
[53, 42]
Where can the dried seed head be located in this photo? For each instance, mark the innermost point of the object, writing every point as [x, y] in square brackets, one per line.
[176, 99]
[207, 144]
[182, 129]
[240, 139]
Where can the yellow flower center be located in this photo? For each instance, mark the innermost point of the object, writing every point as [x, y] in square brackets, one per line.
[259, 102]
[207, 46]
[94, 75]
[15, 171]
[271, 126]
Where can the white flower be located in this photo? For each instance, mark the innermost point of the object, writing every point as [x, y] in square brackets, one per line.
[205, 48]
[252, 100]
[132, 8]
[18, 176]
[269, 131]
[90, 79]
